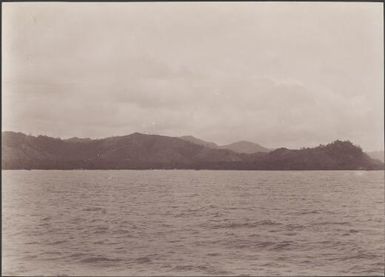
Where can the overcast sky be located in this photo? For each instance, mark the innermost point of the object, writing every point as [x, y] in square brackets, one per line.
[279, 74]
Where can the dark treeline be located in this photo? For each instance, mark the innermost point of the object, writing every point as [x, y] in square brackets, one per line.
[139, 151]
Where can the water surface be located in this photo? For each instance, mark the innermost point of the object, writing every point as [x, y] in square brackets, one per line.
[176, 222]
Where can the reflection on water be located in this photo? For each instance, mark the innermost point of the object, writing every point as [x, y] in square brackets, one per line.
[193, 222]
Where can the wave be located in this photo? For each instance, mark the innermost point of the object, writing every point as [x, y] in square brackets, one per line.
[207, 269]
[57, 242]
[95, 260]
[94, 209]
[143, 260]
[233, 225]
[331, 223]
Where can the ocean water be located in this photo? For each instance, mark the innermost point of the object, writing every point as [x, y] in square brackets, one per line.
[185, 222]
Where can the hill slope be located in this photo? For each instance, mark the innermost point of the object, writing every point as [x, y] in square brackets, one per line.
[378, 155]
[238, 147]
[245, 147]
[140, 151]
[131, 151]
[199, 141]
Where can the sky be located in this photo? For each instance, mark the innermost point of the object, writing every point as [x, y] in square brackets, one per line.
[279, 74]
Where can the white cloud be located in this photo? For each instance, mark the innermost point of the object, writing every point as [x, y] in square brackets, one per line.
[279, 74]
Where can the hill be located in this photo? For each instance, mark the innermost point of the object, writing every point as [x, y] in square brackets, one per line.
[131, 151]
[199, 141]
[377, 155]
[238, 147]
[341, 155]
[140, 151]
[245, 147]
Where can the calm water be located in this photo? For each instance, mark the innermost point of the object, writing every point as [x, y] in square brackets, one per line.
[193, 223]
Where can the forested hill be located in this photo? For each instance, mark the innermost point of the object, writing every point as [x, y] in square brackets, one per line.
[141, 151]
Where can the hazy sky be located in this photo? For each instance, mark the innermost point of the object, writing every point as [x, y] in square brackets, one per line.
[279, 74]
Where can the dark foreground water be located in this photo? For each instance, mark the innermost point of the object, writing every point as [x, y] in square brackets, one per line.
[193, 222]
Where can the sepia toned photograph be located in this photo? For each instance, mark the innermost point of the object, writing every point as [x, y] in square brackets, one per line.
[192, 139]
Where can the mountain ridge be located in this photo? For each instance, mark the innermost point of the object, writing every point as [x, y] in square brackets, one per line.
[199, 141]
[241, 146]
[142, 151]
[245, 147]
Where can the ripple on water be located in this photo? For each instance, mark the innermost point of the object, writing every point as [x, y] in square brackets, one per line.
[100, 260]
[192, 223]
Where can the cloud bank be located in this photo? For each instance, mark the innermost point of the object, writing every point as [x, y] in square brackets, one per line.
[279, 74]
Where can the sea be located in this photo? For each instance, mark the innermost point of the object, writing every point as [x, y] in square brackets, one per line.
[192, 223]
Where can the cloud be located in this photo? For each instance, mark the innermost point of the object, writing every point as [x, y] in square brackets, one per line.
[275, 73]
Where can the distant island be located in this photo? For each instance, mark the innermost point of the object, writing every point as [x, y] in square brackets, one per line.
[142, 151]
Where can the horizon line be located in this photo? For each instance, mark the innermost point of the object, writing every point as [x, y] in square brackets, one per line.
[180, 137]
